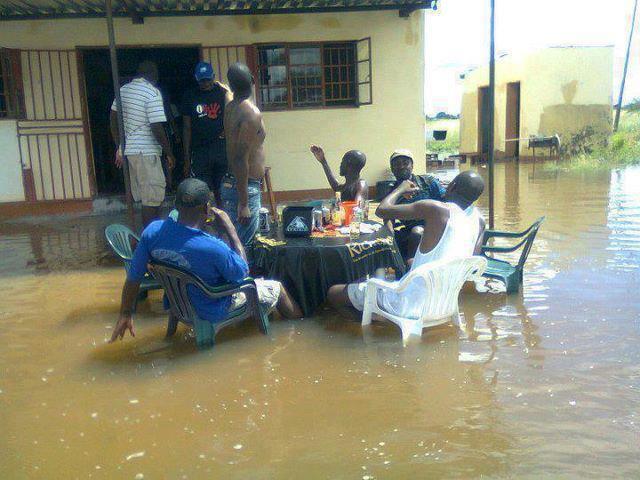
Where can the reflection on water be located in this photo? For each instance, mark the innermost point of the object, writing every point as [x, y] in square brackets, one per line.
[544, 383]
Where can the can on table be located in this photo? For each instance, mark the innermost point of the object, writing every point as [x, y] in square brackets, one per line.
[263, 220]
[317, 220]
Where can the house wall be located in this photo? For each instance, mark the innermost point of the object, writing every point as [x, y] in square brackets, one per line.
[562, 90]
[395, 120]
[11, 189]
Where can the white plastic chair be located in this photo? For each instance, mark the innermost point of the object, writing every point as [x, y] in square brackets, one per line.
[442, 280]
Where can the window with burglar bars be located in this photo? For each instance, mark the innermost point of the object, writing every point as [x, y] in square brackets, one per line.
[11, 103]
[317, 75]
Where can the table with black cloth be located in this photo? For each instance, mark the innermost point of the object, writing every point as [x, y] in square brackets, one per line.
[308, 266]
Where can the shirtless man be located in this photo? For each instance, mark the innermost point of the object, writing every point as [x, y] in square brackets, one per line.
[245, 134]
[354, 189]
[456, 229]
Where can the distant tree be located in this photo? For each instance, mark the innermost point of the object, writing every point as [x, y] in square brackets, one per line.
[633, 105]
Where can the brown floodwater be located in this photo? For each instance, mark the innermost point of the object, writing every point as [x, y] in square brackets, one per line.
[545, 383]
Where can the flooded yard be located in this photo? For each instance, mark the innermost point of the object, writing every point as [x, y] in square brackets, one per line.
[542, 383]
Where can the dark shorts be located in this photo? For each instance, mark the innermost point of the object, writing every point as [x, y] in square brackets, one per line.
[209, 163]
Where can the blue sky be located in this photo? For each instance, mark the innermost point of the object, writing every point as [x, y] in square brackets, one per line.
[457, 37]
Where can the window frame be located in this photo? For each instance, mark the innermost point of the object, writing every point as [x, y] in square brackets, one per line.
[12, 90]
[287, 46]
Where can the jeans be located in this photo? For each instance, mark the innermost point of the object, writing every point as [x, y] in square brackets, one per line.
[229, 196]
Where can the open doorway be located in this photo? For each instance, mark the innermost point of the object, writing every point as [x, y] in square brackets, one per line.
[483, 121]
[175, 68]
[512, 129]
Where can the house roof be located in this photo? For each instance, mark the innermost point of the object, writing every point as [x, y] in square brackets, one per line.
[43, 9]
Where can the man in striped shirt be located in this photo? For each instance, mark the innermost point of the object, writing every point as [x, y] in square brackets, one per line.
[145, 139]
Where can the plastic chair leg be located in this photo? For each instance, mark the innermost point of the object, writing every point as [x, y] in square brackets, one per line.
[263, 321]
[367, 313]
[172, 326]
[205, 334]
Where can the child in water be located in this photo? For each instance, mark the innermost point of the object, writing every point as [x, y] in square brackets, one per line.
[354, 188]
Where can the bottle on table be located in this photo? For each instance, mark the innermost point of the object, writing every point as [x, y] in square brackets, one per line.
[354, 226]
[338, 212]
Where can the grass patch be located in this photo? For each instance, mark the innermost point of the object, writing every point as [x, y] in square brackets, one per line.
[622, 149]
[451, 145]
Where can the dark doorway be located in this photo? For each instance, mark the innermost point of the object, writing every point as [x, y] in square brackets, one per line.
[483, 120]
[175, 67]
[512, 131]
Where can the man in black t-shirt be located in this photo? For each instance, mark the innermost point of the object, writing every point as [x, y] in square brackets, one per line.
[205, 155]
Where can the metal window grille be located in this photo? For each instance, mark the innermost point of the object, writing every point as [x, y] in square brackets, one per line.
[307, 75]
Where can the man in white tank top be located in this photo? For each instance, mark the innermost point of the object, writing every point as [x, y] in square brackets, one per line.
[453, 228]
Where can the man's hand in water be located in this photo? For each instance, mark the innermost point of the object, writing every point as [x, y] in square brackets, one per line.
[125, 322]
[244, 214]
[318, 152]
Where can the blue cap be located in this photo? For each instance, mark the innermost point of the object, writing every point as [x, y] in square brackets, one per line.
[204, 70]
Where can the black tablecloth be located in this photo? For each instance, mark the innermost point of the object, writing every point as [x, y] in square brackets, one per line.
[309, 266]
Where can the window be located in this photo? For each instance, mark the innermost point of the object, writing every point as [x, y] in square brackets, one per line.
[307, 75]
[11, 103]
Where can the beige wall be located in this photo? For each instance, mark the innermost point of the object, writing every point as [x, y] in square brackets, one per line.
[562, 90]
[395, 120]
[11, 189]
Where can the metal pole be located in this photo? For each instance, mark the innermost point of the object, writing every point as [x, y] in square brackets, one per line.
[115, 75]
[626, 65]
[492, 106]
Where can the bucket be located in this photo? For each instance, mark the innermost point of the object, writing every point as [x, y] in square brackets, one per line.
[348, 211]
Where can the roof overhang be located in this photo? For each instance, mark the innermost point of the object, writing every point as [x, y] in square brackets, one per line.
[52, 9]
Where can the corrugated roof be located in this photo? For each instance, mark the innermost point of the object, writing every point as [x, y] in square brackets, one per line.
[29, 9]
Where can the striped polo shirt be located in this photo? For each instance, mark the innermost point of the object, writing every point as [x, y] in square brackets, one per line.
[141, 106]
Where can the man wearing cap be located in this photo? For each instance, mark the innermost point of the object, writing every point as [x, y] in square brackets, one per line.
[427, 188]
[182, 243]
[203, 139]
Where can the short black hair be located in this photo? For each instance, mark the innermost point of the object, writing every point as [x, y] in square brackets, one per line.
[469, 185]
[192, 193]
[356, 159]
[240, 78]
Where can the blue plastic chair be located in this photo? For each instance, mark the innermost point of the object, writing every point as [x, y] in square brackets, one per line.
[119, 238]
[176, 282]
[511, 275]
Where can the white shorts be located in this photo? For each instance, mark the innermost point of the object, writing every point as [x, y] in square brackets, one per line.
[268, 294]
[147, 179]
[356, 292]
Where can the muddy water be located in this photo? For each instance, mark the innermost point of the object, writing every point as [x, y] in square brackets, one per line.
[545, 383]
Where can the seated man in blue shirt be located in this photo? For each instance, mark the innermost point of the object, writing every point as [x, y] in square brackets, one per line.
[183, 243]
[427, 188]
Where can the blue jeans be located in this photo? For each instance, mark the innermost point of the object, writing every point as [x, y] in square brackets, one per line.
[229, 196]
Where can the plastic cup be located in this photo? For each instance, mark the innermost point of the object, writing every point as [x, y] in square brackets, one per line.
[348, 211]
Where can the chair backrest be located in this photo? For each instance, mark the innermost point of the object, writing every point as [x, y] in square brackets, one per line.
[119, 238]
[443, 281]
[532, 231]
[175, 282]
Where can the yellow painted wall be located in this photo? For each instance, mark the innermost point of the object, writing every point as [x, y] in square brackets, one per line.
[562, 90]
[395, 120]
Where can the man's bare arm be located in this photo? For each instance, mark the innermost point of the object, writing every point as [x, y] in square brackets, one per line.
[125, 322]
[421, 210]
[161, 136]
[478, 248]
[318, 152]
[115, 131]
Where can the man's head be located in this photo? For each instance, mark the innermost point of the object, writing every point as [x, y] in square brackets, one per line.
[192, 200]
[240, 80]
[149, 71]
[402, 164]
[204, 75]
[352, 163]
[464, 189]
